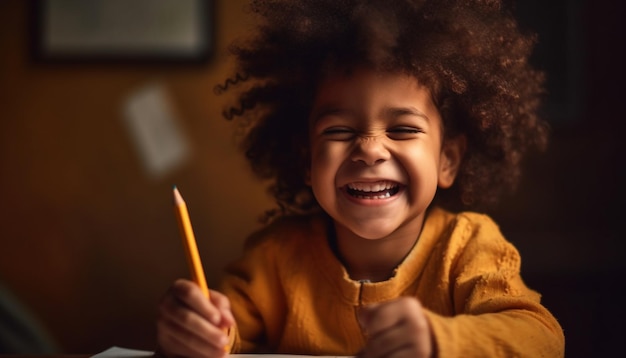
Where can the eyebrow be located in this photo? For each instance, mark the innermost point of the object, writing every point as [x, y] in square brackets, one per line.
[325, 111]
[394, 112]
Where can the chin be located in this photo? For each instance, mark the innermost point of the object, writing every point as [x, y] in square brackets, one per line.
[371, 231]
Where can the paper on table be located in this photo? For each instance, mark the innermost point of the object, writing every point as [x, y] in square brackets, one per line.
[119, 352]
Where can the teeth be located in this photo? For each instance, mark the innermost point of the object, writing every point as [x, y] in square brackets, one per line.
[383, 196]
[372, 187]
[380, 190]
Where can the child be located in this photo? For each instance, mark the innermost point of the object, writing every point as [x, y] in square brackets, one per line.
[381, 124]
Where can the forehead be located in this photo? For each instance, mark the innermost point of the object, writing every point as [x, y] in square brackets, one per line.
[364, 89]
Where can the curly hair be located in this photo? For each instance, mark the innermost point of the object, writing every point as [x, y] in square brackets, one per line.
[471, 54]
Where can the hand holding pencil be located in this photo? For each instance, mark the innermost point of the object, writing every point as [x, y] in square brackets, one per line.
[193, 321]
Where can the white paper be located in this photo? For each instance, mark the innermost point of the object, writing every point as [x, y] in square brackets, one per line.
[155, 130]
[119, 352]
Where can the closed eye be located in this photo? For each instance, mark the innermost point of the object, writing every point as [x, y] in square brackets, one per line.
[338, 133]
[403, 132]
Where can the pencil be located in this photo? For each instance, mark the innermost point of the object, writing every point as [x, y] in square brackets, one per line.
[189, 241]
[191, 248]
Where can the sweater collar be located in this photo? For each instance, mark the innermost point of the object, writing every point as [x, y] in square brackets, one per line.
[406, 274]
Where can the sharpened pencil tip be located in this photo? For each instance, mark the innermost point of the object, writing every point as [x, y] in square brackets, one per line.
[178, 199]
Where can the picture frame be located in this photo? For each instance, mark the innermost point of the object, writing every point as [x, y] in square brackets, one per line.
[122, 31]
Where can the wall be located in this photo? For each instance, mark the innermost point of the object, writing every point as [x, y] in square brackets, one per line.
[89, 241]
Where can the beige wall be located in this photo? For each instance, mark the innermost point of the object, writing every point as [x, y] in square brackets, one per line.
[89, 241]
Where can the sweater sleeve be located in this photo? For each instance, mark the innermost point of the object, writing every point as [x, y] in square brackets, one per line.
[495, 313]
[253, 287]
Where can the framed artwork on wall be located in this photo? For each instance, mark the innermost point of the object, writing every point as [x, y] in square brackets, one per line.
[122, 31]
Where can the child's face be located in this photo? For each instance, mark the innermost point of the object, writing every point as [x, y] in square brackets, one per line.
[376, 152]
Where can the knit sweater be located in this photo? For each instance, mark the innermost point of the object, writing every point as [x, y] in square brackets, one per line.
[290, 294]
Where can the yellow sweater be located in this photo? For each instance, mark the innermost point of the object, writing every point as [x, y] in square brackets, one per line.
[290, 294]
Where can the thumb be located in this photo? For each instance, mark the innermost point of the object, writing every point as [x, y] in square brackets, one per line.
[365, 313]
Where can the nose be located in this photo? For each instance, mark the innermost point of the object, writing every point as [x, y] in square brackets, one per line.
[370, 151]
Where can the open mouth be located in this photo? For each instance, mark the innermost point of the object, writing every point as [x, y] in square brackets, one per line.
[377, 190]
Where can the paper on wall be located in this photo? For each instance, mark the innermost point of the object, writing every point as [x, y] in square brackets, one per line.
[155, 130]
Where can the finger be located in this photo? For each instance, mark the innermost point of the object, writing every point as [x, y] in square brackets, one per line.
[176, 339]
[397, 328]
[176, 342]
[176, 318]
[376, 317]
[190, 294]
[382, 316]
[222, 303]
[398, 341]
[388, 343]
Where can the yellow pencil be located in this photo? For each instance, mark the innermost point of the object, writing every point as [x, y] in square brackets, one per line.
[189, 240]
[191, 248]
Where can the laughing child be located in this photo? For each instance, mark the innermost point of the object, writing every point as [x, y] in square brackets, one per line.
[385, 126]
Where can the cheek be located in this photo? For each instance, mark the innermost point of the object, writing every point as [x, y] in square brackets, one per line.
[325, 162]
[325, 157]
[421, 167]
[317, 163]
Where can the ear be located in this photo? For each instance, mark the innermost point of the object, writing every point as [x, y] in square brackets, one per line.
[452, 152]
